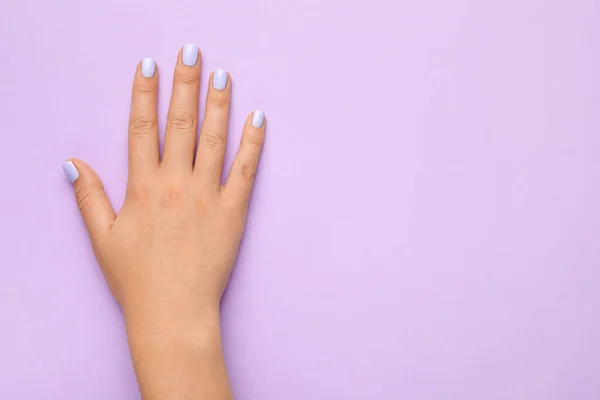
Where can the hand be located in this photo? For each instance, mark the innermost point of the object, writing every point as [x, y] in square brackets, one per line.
[168, 254]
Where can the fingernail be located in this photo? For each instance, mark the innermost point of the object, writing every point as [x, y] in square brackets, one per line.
[258, 118]
[148, 67]
[220, 79]
[70, 171]
[189, 55]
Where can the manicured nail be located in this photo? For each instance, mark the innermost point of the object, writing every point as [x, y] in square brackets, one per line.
[258, 118]
[148, 67]
[70, 171]
[189, 55]
[220, 79]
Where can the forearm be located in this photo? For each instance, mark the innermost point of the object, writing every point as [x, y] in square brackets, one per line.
[177, 358]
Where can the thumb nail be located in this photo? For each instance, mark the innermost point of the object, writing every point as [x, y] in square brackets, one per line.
[70, 171]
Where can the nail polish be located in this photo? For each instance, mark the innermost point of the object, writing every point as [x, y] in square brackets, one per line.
[70, 171]
[220, 79]
[148, 67]
[189, 55]
[258, 118]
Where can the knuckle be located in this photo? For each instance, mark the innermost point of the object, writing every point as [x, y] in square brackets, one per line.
[255, 139]
[142, 126]
[173, 193]
[212, 142]
[83, 196]
[219, 100]
[181, 123]
[188, 79]
[233, 208]
[248, 170]
[201, 203]
[139, 193]
[146, 87]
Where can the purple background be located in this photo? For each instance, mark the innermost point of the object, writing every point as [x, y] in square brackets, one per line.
[425, 223]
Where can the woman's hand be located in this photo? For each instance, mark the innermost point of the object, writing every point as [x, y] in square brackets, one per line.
[168, 254]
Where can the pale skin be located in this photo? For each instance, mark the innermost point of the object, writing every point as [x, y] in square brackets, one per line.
[168, 254]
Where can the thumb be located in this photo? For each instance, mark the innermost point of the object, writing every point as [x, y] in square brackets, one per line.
[98, 215]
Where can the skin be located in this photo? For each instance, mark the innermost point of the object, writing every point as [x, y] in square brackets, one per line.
[168, 254]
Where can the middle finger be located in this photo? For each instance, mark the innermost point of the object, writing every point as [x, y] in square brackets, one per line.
[182, 119]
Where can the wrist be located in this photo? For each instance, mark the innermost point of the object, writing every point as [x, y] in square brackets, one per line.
[160, 318]
[178, 346]
[170, 337]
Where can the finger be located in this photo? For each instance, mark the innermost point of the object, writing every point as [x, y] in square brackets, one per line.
[143, 120]
[213, 135]
[98, 215]
[182, 119]
[241, 177]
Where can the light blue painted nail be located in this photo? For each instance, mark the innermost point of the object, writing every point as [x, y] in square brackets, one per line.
[148, 67]
[189, 55]
[70, 171]
[220, 79]
[258, 118]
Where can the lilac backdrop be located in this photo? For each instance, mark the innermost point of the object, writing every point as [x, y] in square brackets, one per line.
[425, 223]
